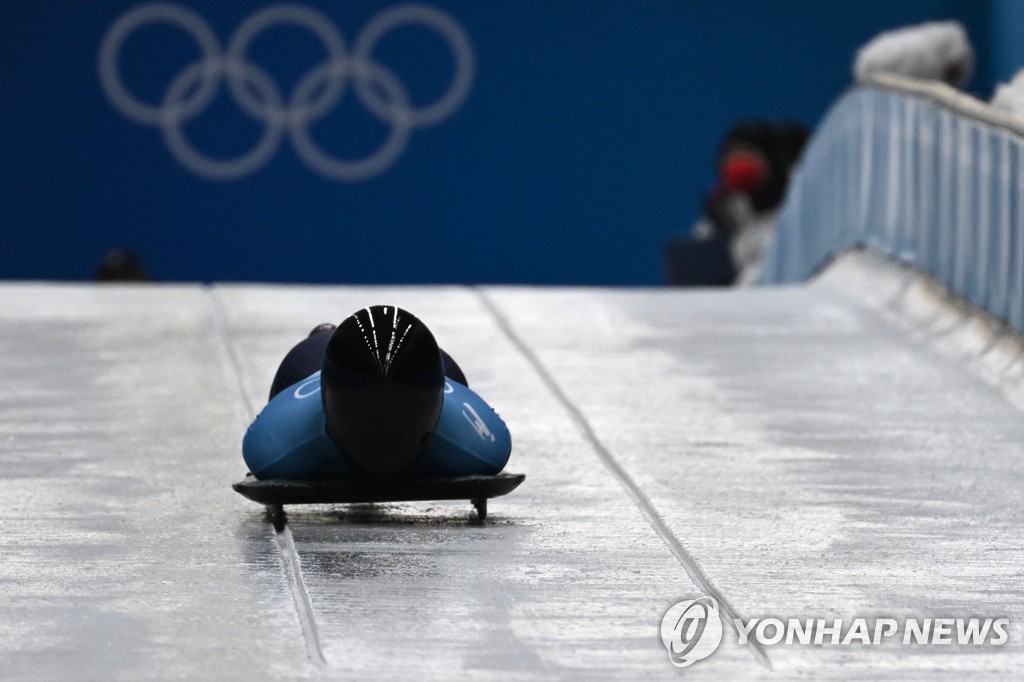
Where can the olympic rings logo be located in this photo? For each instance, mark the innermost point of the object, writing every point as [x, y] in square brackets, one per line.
[259, 97]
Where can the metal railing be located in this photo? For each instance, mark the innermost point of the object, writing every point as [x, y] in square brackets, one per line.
[918, 171]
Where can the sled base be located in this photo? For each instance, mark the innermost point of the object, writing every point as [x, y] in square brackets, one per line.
[276, 492]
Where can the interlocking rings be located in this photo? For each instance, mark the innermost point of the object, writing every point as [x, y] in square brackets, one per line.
[259, 97]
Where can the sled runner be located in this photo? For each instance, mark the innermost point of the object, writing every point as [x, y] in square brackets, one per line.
[276, 493]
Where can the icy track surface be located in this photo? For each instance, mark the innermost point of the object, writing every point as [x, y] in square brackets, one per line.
[851, 447]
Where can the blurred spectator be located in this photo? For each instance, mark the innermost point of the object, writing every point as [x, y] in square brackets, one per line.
[122, 265]
[727, 244]
[937, 50]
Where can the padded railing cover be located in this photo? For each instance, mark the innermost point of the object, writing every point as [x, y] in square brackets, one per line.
[918, 171]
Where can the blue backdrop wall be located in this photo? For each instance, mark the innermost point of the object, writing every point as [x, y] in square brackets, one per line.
[357, 141]
[1005, 38]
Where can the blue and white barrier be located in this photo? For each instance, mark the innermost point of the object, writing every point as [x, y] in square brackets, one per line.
[918, 171]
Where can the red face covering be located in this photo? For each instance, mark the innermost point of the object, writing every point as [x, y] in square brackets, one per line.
[743, 172]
